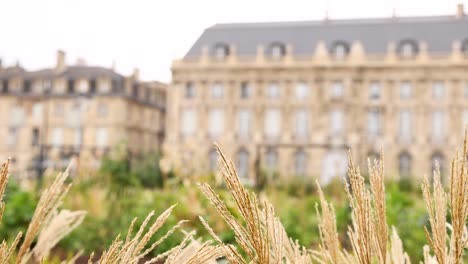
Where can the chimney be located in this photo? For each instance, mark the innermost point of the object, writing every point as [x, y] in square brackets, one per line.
[460, 11]
[60, 66]
[136, 74]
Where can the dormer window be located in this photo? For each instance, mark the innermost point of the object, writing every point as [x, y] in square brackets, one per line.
[92, 86]
[27, 86]
[71, 86]
[135, 90]
[408, 49]
[465, 47]
[221, 51]
[5, 88]
[277, 51]
[340, 50]
[83, 86]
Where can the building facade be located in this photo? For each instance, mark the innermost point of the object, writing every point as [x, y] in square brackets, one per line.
[293, 97]
[51, 115]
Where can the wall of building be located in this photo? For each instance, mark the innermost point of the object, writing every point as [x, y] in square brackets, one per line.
[320, 145]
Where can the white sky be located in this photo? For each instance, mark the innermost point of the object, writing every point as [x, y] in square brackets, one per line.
[150, 34]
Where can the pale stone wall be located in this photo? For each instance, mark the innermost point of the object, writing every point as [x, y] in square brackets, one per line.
[138, 121]
[356, 72]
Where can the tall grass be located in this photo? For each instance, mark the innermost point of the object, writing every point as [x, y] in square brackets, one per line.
[259, 234]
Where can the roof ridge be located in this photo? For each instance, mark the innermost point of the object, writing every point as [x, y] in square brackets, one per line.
[345, 21]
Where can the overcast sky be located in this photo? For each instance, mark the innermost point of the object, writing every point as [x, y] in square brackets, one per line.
[150, 34]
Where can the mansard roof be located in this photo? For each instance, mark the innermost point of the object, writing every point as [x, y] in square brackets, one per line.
[438, 32]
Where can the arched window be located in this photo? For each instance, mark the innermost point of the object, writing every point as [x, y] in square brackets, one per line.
[271, 159]
[339, 50]
[408, 48]
[373, 156]
[404, 164]
[438, 158]
[243, 163]
[277, 50]
[213, 158]
[221, 51]
[300, 163]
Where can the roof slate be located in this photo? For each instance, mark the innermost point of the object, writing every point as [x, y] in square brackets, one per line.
[438, 32]
[71, 72]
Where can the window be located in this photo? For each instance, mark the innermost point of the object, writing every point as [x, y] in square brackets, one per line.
[404, 164]
[277, 50]
[337, 90]
[302, 90]
[244, 123]
[12, 137]
[243, 164]
[408, 49]
[58, 109]
[271, 159]
[336, 122]
[405, 90]
[27, 86]
[373, 122]
[83, 86]
[340, 50]
[221, 51]
[71, 86]
[57, 137]
[404, 130]
[17, 116]
[301, 124]
[216, 119]
[245, 90]
[92, 86]
[35, 137]
[273, 90]
[78, 137]
[5, 88]
[373, 156]
[374, 91]
[104, 86]
[334, 164]
[135, 90]
[464, 47]
[272, 123]
[300, 163]
[189, 90]
[189, 122]
[115, 85]
[101, 137]
[102, 110]
[217, 91]
[437, 125]
[438, 90]
[213, 158]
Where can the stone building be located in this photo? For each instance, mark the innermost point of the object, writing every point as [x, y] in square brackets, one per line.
[51, 115]
[293, 97]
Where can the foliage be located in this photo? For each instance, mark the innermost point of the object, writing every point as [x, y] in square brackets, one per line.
[19, 211]
[123, 190]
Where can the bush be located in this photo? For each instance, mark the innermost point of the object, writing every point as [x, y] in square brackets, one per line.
[18, 213]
